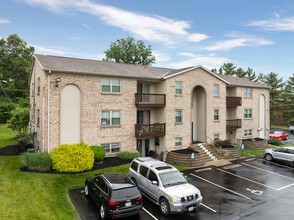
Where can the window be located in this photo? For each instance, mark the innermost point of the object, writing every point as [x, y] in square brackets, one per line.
[216, 137]
[110, 85]
[143, 171]
[38, 117]
[248, 92]
[178, 141]
[216, 115]
[152, 176]
[111, 148]
[156, 141]
[247, 113]
[134, 166]
[178, 88]
[101, 184]
[110, 118]
[216, 90]
[178, 116]
[247, 132]
[39, 82]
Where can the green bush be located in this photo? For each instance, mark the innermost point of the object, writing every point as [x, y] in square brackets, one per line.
[20, 119]
[5, 110]
[23, 139]
[128, 155]
[72, 158]
[37, 161]
[274, 141]
[99, 152]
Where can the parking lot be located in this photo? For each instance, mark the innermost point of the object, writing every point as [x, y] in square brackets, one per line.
[245, 189]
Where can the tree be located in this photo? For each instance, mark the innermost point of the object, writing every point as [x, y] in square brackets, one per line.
[240, 72]
[288, 95]
[250, 75]
[130, 52]
[261, 78]
[15, 64]
[20, 119]
[227, 69]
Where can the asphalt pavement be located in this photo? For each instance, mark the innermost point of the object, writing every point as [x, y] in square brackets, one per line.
[245, 189]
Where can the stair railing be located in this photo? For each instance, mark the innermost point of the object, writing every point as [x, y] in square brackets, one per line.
[216, 144]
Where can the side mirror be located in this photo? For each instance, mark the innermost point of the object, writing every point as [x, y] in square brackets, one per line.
[154, 183]
[275, 150]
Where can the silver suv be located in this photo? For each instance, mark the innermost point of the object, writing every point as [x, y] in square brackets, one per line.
[164, 185]
[283, 153]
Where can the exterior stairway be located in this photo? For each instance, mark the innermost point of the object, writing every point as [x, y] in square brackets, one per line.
[207, 151]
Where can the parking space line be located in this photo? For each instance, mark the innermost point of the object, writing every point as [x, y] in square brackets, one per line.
[209, 208]
[220, 186]
[267, 171]
[284, 187]
[277, 164]
[246, 179]
[149, 213]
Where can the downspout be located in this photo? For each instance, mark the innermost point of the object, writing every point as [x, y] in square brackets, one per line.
[48, 110]
[34, 107]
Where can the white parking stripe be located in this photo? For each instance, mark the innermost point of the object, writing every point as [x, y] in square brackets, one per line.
[209, 208]
[286, 186]
[277, 164]
[220, 186]
[267, 171]
[149, 213]
[246, 178]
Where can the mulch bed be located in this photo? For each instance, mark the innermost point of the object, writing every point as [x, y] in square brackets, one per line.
[186, 151]
[10, 150]
[256, 139]
[105, 163]
[228, 146]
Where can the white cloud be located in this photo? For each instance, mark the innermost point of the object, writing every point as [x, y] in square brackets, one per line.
[86, 26]
[197, 59]
[52, 51]
[75, 38]
[160, 57]
[238, 42]
[151, 28]
[187, 54]
[277, 24]
[276, 15]
[4, 21]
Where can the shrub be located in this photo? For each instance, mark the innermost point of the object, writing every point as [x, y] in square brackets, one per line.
[37, 161]
[5, 110]
[23, 139]
[20, 119]
[99, 152]
[274, 141]
[128, 155]
[223, 143]
[72, 158]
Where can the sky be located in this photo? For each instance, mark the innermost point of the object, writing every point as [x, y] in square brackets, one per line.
[252, 33]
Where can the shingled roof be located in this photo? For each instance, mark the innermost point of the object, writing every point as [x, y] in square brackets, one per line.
[86, 66]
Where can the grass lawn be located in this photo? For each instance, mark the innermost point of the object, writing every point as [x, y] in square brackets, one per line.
[26, 195]
[6, 135]
[250, 153]
[280, 126]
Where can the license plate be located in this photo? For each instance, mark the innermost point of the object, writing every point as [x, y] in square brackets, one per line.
[128, 204]
[191, 209]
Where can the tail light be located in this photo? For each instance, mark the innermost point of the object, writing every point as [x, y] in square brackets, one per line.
[139, 198]
[113, 203]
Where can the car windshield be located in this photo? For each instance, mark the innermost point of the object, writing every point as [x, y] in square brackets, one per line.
[278, 133]
[124, 193]
[172, 178]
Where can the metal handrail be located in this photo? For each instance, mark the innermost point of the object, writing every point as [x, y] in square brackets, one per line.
[216, 145]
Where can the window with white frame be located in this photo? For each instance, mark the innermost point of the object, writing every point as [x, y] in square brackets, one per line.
[110, 85]
[216, 137]
[216, 115]
[179, 88]
[39, 85]
[178, 141]
[216, 90]
[110, 118]
[178, 116]
[111, 147]
[247, 132]
[38, 117]
[248, 113]
[248, 92]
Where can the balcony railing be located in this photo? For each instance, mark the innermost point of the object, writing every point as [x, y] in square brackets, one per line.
[150, 130]
[150, 100]
[234, 101]
[234, 124]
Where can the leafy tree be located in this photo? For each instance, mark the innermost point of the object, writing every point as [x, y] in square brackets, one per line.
[20, 119]
[15, 65]
[227, 69]
[240, 72]
[288, 95]
[130, 52]
[250, 75]
[261, 78]
[5, 110]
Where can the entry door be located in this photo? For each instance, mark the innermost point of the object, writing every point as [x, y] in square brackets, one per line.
[143, 89]
[143, 117]
[261, 133]
[143, 147]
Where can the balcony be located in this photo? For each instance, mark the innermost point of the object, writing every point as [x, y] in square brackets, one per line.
[150, 100]
[150, 130]
[234, 101]
[234, 124]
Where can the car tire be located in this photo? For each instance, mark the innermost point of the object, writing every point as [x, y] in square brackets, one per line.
[268, 157]
[86, 190]
[164, 207]
[102, 211]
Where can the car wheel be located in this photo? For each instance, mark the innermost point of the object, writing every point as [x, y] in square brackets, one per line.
[86, 190]
[268, 157]
[102, 211]
[164, 207]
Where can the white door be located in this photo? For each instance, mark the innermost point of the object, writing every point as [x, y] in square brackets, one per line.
[70, 115]
[261, 116]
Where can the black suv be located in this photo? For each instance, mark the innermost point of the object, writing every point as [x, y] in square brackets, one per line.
[114, 194]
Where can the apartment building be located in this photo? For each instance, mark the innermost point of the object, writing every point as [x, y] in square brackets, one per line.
[125, 107]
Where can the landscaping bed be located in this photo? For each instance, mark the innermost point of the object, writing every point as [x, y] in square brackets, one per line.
[12, 150]
[186, 151]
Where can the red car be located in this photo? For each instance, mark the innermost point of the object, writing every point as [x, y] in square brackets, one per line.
[279, 135]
